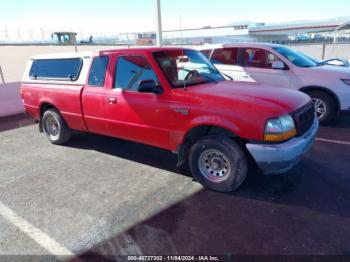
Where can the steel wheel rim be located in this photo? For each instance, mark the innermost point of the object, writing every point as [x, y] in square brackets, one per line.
[214, 165]
[52, 127]
[320, 107]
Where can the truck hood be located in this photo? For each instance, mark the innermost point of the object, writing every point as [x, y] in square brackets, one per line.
[277, 101]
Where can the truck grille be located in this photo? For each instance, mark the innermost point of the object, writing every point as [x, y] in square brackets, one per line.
[304, 118]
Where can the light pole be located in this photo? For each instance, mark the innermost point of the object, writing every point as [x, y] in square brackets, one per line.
[159, 24]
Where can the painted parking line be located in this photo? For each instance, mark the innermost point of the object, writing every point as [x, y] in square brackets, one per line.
[44, 240]
[333, 141]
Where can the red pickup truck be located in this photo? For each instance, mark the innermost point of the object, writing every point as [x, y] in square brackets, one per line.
[175, 99]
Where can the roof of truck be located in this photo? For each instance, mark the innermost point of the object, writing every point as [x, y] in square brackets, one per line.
[89, 54]
[85, 57]
[148, 49]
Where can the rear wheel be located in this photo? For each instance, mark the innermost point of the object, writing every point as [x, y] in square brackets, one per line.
[55, 127]
[324, 105]
[218, 163]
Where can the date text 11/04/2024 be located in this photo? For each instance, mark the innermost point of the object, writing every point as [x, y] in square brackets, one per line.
[173, 258]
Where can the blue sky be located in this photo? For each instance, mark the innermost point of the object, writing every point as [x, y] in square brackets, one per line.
[139, 15]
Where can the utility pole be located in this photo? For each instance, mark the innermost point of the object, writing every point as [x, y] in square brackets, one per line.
[159, 24]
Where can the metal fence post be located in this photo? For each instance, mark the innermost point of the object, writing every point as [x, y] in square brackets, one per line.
[2, 75]
[159, 24]
[323, 50]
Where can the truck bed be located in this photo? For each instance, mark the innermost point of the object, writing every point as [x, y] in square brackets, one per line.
[67, 100]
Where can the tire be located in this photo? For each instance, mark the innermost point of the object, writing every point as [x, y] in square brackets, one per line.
[218, 163]
[324, 105]
[55, 128]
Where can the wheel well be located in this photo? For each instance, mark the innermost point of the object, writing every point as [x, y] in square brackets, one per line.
[335, 98]
[198, 132]
[43, 108]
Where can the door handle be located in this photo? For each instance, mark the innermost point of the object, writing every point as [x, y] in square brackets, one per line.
[112, 100]
[246, 76]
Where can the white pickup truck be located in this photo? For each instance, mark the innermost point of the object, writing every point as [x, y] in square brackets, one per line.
[280, 66]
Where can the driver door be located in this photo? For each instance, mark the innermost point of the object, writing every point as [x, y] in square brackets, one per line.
[133, 115]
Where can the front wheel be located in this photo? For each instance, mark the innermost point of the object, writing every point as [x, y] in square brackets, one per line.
[55, 127]
[324, 106]
[218, 163]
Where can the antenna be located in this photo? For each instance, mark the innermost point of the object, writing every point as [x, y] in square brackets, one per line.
[180, 21]
[181, 44]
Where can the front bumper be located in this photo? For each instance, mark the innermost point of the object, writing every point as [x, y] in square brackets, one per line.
[275, 159]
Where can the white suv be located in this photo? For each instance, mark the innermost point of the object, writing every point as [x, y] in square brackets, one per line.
[280, 66]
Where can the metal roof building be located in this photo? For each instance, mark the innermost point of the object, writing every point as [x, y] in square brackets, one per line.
[261, 32]
[284, 31]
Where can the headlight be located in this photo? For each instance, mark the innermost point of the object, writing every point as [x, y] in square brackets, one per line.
[280, 129]
[346, 81]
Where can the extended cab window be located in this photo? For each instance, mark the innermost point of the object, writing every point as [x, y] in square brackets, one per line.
[131, 70]
[225, 56]
[98, 71]
[259, 58]
[56, 68]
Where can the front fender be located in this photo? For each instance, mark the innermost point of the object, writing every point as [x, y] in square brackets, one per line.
[177, 137]
[214, 121]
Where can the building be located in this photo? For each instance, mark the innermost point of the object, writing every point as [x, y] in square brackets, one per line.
[248, 31]
[301, 31]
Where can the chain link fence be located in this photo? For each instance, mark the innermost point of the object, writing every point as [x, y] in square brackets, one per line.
[22, 36]
[227, 34]
[45, 36]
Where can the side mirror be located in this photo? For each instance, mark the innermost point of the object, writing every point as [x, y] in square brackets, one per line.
[149, 86]
[279, 65]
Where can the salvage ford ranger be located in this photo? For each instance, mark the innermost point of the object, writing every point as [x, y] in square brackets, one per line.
[174, 99]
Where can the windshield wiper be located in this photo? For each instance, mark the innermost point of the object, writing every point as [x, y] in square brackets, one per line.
[229, 77]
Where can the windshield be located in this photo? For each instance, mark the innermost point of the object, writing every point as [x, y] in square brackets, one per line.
[295, 57]
[184, 68]
[311, 58]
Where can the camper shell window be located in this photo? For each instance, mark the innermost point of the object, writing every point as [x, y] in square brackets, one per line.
[57, 69]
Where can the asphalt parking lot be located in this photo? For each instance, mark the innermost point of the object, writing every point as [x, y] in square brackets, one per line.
[100, 196]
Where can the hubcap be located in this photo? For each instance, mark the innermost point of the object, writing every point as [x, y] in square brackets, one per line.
[52, 127]
[214, 165]
[320, 107]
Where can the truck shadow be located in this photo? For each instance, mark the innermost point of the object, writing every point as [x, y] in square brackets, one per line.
[305, 211]
[276, 217]
[313, 184]
[136, 152]
[342, 122]
[338, 130]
